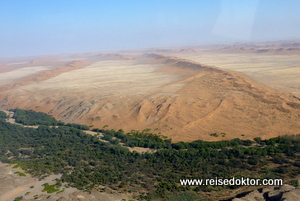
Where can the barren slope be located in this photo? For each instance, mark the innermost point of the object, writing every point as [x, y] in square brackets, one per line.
[273, 64]
[184, 100]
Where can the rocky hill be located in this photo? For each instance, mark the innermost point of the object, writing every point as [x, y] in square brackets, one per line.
[277, 193]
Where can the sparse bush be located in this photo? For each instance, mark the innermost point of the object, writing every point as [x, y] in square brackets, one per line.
[18, 198]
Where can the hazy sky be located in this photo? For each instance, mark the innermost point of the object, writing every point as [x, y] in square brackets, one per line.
[36, 27]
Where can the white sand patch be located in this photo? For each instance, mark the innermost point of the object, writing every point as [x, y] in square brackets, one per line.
[277, 71]
[17, 63]
[11, 76]
[110, 77]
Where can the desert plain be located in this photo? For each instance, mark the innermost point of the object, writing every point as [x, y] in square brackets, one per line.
[242, 90]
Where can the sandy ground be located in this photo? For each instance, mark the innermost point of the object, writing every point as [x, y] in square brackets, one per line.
[13, 186]
[178, 97]
[173, 92]
[277, 71]
[110, 78]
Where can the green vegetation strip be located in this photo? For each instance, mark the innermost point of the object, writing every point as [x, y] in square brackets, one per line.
[87, 163]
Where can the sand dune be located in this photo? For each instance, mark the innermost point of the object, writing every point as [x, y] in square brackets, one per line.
[27, 75]
[179, 97]
[280, 71]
